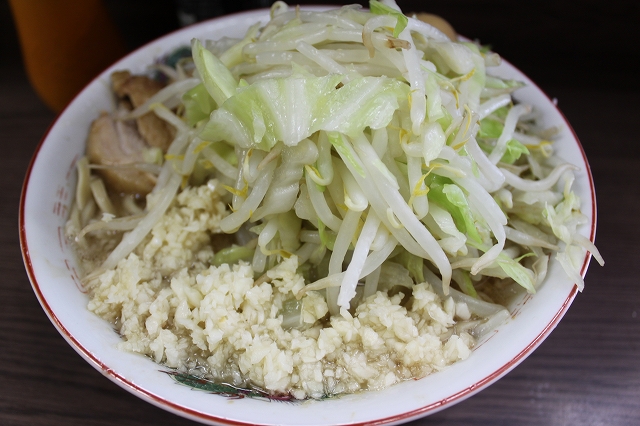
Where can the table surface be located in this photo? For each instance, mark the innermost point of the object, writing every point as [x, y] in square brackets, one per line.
[586, 372]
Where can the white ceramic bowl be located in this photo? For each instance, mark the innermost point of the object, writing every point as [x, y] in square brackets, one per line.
[46, 199]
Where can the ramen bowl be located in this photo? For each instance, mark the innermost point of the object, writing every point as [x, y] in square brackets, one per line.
[49, 259]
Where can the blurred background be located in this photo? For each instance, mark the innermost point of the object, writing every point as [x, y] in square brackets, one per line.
[584, 54]
[556, 42]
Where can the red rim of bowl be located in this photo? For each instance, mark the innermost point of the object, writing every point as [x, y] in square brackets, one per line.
[200, 416]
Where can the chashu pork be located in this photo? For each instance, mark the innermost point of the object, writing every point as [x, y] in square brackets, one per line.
[118, 143]
[137, 89]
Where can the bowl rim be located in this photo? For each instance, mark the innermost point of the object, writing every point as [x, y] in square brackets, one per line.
[200, 416]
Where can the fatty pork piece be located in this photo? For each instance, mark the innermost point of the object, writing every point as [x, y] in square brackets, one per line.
[136, 89]
[118, 143]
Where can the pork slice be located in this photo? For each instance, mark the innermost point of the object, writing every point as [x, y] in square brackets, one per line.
[138, 89]
[118, 143]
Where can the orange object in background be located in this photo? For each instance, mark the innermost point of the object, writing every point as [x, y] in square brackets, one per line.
[65, 43]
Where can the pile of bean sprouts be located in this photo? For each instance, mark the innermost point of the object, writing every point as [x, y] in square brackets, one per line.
[366, 143]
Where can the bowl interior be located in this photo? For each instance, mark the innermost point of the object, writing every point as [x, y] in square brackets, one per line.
[47, 196]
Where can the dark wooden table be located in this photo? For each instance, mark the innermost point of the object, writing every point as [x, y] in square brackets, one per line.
[587, 372]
